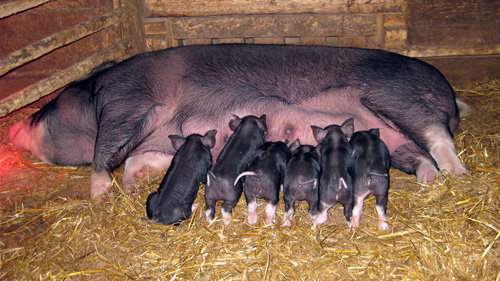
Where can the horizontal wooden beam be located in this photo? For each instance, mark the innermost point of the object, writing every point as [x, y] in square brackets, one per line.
[46, 86]
[59, 39]
[171, 8]
[433, 51]
[15, 6]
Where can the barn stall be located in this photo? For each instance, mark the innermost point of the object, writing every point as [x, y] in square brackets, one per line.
[49, 229]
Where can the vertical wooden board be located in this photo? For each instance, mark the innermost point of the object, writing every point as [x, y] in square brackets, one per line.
[257, 26]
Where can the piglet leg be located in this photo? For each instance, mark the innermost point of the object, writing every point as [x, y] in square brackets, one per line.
[289, 211]
[252, 212]
[270, 213]
[227, 209]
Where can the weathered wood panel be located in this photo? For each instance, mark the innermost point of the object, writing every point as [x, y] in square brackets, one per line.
[176, 8]
[59, 39]
[79, 35]
[13, 7]
[256, 26]
[454, 23]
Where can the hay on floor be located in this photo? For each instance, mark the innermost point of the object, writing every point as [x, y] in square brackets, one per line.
[49, 229]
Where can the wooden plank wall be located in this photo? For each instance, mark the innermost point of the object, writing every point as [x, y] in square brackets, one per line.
[48, 44]
[460, 37]
[315, 22]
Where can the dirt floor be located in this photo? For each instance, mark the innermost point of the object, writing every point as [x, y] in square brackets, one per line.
[49, 229]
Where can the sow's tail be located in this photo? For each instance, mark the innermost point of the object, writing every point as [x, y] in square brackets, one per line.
[247, 173]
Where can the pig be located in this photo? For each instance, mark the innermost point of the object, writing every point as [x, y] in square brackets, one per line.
[263, 179]
[173, 202]
[301, 180]
[249, 135]
[337, 163]
[121, 113]
[371, 174]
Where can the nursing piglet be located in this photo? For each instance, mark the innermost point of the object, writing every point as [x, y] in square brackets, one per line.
[371, 174]
[174, 200]
[263, 179]
[301, 180]
[335, 184]
[234, 158]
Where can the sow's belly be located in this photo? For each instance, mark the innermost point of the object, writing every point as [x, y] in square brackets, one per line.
[291, 122]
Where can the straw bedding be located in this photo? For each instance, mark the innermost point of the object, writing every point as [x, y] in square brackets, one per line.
[49, 229]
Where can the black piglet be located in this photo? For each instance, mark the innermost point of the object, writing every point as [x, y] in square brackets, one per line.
[174, 200]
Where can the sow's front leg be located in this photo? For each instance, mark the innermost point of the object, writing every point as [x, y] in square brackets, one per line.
[121, 131]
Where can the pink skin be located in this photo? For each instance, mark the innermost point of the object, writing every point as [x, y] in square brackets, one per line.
[25, 138]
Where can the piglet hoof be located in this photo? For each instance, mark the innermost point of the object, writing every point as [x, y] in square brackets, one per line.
[226, 217]
[209, 217]
[286, 223]
[252, 219]
[194, 207]
[270, 220]
[382, 225]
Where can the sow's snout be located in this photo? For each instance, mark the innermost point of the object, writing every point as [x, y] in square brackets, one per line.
[19, 135]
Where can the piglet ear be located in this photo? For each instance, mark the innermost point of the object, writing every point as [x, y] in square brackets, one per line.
[348, 127]
[177, 141]
[262, 124]
[375, 132]
[208, 139]
[294, 145]
[319, 134]
[233, 124]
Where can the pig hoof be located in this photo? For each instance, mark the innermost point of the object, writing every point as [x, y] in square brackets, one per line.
[286, 223]
[426, 174]
[252, 221]
[382, 225]
[97, 199]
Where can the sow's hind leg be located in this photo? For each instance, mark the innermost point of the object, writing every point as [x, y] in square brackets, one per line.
[426, 112]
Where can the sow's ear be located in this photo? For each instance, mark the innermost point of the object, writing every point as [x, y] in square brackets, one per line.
[233, 124]
[208, 139]
[177, 141]
[348, 127]
[294, 145]
[318, 133]
[263, 124]
[375, 132]
[151, 204]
